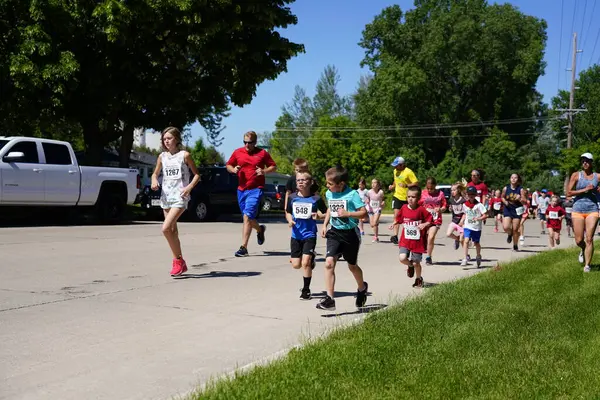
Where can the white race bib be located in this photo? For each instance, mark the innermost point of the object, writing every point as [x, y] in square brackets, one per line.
[335, 205]
[520, 210]
[478, 199]
[433, 213]
[553, 214]
[302, 210]
[569, 210]
[172, 171]
[412, 232]
[497, 206]
[374, 204]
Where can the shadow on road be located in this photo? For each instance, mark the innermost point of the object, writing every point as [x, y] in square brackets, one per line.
[337, 294]
[220, 274]
[364, 310]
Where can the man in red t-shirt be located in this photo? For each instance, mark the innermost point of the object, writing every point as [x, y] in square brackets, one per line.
[250, 163]
[482, 189]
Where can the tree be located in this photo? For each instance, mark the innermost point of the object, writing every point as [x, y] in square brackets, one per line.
[203, 155]
[451, 61]
[111, 65]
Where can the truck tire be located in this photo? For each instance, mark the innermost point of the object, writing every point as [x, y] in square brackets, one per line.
[200, 210]
[110, 208]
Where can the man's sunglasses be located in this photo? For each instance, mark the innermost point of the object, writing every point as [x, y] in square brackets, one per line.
[249, 142]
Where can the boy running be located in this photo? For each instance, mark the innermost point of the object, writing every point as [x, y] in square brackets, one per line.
[568, 206]
[456, 201]
[543, 202]
[300, 213]
[475, 214]
[344, 210]
[554, 217]
[496, 206]
[413, 241]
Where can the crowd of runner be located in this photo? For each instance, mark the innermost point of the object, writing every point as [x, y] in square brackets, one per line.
[418, 213]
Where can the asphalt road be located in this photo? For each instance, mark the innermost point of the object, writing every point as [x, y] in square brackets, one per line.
[91, 311]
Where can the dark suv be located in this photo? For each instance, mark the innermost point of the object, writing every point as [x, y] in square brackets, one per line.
[273, 197]
[215, 194]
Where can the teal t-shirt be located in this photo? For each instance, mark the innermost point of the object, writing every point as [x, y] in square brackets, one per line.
[348, 199]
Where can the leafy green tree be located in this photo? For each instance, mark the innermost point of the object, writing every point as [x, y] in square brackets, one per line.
[112, 65]
[451, 61]
[203, 155]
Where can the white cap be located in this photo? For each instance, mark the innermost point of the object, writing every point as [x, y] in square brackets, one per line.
[589, 156]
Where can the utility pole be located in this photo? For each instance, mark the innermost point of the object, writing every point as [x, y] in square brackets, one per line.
[572, 96]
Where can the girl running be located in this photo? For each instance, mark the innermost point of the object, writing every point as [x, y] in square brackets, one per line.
[457, 199]
[434, 201]
[524, 217]
[176, 188]
[584, 186]
[554, 216]
[496, 209]
[362, 192]
[375, 203]
[513, 209]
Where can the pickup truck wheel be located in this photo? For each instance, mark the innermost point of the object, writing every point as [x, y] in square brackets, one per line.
[111, 208]
[267, 205]
[200, 210]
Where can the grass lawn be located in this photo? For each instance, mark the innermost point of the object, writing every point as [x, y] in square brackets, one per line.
[528, 330]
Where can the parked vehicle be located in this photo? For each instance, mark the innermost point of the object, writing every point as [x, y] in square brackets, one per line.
[273, 197]
[43, 172]
[215, 194]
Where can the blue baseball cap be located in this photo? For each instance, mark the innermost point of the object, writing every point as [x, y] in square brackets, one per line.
[397, 161]
[544, 191]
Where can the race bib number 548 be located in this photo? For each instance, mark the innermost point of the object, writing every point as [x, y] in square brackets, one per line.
[336, 205]
[302, 210]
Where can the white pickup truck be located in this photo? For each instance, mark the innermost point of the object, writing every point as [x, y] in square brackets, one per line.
[42, 172]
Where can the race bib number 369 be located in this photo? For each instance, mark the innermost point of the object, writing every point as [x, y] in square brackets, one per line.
[412, 232]
[336, 205]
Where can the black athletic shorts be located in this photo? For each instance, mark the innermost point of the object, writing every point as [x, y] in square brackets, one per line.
[345, 243]
[302, 247]
[397, 204]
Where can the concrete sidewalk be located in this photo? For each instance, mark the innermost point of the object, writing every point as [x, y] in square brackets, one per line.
[91, 312]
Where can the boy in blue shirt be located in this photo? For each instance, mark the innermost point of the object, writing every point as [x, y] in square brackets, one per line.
[345, 209]
[301, 211]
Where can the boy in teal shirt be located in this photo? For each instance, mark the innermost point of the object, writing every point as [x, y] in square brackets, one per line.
[345, 209]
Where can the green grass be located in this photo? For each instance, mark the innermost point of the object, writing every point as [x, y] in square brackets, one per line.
[528, 330]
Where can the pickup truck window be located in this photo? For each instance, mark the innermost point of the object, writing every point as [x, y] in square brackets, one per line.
[30, 151]
[3, 143]
[57, 154]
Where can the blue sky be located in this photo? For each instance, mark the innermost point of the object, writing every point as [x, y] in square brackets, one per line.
[331, 29]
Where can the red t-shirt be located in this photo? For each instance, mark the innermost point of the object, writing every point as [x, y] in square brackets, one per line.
[482, 191]
[553, 220]
[493, 201]
[249, 162]
[411, 218]
[431, 202]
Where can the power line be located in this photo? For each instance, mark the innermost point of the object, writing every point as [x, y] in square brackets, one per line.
[594, 49]
[572, 27]
[420, 126]
[562, 3]
[589, 26]
[379, 138]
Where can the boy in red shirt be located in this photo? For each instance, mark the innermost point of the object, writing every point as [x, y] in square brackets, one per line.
[554, 217]
[413, 242]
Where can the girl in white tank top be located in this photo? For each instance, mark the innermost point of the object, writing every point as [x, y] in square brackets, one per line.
[174, 164]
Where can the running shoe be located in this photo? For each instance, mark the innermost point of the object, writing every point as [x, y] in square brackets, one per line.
[478, 259]
[587, 268]
[260, 235]
[376, 240]
[581, 260]
[185, 268]
[177, 268]
[509, 239]
[410, 271]
[456, 244]
[418, 282]
[522, 241]
[463, 263]
[558, 242]
[496, 230]
[394, 239]
[515, 247]
[242, 252]
[428, 261]
[327, 304]
[361, 296]
[305, 294]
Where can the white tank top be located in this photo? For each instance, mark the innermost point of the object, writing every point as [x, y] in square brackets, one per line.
[175, 175]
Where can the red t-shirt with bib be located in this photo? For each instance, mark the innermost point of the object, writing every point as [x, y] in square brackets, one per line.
[412, 218]
[553, 214]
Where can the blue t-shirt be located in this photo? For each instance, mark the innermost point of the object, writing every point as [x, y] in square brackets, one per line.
[302, 209]
[348, 199]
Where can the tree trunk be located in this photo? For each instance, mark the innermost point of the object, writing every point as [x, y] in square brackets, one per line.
[94, 146]
[125, 148]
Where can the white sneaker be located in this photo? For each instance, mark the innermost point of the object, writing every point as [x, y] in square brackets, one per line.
[586, 268]
[581, 260]
[521, 240]
[463, 263]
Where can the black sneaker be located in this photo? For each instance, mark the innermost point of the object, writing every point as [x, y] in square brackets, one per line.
[361, 296]
[478, 261]
[418, 282]
[260, 236]
[327, 304]
[428, 261]
[242, 252]
[394, 239]
[305, 294]
[509, 239]
[515, 247]
[410, 271]
[456, 244]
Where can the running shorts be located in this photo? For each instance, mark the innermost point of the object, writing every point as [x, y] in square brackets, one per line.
[300, 247]
[345, 242]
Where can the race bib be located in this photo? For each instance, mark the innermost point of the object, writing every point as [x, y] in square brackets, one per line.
[375, 204]
[569, 210]
[478, 199]
[336, 205]
[553, 214]
[520, 210]
[412, 232]
[302, 210]
[497, 206]
[433, 213]
[172, 171]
